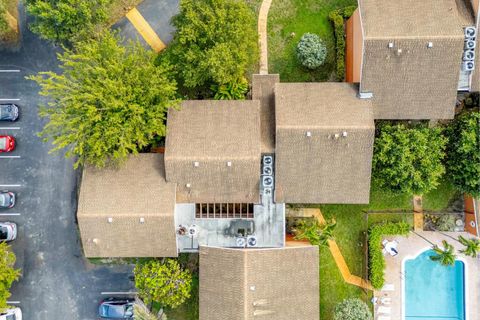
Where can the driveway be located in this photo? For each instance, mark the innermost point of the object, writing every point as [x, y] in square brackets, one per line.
[57, 283]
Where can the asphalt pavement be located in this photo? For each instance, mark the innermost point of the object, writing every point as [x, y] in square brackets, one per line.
[58, 283]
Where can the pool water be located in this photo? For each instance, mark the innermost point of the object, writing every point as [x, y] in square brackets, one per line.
[433, 291]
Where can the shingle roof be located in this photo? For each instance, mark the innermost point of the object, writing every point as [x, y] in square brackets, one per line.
[313, 165]
[270, 284]
[214, 147]
[262, 89]
[410, 80]
[385, 19]
[126, 195]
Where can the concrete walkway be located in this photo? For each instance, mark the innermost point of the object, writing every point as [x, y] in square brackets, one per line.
[149, 23]
[262, 35]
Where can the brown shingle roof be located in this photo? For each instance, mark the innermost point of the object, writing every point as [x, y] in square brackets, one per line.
[416, 82]
[270, 284]
[214, 134]
[136, 190]
[322, 168]
[262, 89]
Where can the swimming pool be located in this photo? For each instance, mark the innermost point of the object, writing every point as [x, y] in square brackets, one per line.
[432, 291]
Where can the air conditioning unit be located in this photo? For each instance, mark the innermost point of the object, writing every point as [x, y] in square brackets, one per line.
[470, 32]
[267, 170]
[267, 160]
[468, 66]
[470, 45]
[240, 242]
[251, 241]
[468, 55]
[267, 181]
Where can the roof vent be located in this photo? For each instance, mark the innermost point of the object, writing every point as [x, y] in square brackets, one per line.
[142, 220]
[196, 164]
[252, 288]
[336, 136]
[110, 220]
[470, 32]
[229, 163]
[365, 95]
[399, 51]
[95, 240]
[430, 45]
[308, 134]
[188, 185]
[390, 45]
[344, 134]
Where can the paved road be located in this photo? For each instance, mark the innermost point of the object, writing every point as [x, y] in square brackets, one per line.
[57, 283]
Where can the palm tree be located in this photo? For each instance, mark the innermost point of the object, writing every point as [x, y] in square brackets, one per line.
[318, 234]
[472, 246]
[445, 256]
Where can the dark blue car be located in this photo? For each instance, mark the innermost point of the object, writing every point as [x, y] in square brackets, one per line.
[116, 308]
[8, 112]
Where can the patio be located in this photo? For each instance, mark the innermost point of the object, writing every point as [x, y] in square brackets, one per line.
[390, 297]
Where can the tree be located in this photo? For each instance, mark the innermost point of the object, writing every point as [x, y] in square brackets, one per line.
[408, 160]
[3, 17]
[311, 51]
[163, 281]
[472, 246]
[108, 101]
[215, 42]
[312, 230]
[463, 153]
[8, 273]
[66, 21]
[231, 91]
[445, 256]
[141, 311]
[352, 309]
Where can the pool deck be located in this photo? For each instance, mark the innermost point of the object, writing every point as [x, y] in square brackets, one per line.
[412, 246]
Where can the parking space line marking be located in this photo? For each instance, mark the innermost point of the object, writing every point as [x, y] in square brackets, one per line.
[10, 214]
[9, 157]
[113, 292]
[13, 70]
[9, 128]
[9, 99]
[10, 185]
[13, 302]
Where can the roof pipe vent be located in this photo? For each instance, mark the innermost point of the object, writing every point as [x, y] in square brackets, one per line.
[110, 220]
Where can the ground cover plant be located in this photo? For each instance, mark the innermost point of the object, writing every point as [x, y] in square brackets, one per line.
[352, 309]
[8, 273]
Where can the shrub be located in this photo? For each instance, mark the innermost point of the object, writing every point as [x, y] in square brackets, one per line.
[463, 155]
[337, 18]
[408, 160]
[8, 274]
[352, 309]
[311, 51]
[235, 90]
[163, 281]
[446, 222]
[376, 258]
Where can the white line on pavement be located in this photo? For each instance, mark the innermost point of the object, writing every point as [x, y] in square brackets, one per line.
[9, 99]
[10, 214]
[10, 185]
[9, 128]
[12, 70]
[9, 157]
[13, 302]
[113, 292]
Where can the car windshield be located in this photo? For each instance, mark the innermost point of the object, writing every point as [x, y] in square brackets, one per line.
[3, 143]
[11, 317]
[3, 200]
[3, 233]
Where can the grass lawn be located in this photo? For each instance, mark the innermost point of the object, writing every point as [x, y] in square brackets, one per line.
[288, 20]
[440, 198]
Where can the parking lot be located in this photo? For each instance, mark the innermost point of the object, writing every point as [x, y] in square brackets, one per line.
[57, 282]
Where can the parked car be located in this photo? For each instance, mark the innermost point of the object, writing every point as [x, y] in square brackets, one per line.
[8, 232]
[7, 143]
[7, 199]
[116, 308]
[9, 112]
[11, 314]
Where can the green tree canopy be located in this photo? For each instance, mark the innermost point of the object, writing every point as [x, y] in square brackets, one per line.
[163, 281]
[463, 153]
[446, 256]
[215, 42]
[3, 16]
[311, 51]
[352, 309]
[109, 101]
[7, 272]
[408, 160]
[64, 21]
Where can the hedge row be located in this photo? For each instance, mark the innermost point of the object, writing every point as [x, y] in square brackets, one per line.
[337, 18]
[376, 258]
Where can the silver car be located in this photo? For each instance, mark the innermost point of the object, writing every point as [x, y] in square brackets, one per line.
[8, 231]
[7, 199]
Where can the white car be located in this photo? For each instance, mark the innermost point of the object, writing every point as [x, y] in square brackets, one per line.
[11, 314]
[8, 232]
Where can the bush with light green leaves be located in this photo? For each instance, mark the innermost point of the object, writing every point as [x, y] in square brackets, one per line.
[352, 309]
[311, 51]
